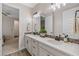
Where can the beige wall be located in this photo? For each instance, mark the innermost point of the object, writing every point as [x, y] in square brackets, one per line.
[58, 22]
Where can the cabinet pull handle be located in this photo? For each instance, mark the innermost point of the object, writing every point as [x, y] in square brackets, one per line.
[33, 54]
[48, 55]
[33, 47]
[34, 41]
[27, 41]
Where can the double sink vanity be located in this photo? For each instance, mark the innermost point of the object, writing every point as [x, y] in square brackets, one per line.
[61, 22]
[39, 46]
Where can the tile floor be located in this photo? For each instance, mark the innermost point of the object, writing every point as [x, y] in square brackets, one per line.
[23, 52]
[10, 46]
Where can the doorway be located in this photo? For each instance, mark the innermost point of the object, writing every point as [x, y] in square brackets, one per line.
[10, 29]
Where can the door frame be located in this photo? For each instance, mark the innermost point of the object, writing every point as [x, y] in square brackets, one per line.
[19, 25]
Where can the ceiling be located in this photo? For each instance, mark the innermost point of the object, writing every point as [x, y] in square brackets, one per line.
[31, 5]
[10, 11]
[13, 12]
[44, 8]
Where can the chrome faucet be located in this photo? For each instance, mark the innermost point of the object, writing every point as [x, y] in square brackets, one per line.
[66, 38]
[58, 38]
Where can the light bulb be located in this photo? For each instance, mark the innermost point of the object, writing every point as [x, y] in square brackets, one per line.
[58, 5]
[54, 8]
[64, 4]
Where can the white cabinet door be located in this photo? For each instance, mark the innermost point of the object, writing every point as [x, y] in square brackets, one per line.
[51, 51]
[0, 29]
[28, 44]
[34, 48]
[43, 52]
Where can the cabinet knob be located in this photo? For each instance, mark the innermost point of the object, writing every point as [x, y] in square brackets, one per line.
[48, 55]
[33, 54]
[27, 41]
[33, 47]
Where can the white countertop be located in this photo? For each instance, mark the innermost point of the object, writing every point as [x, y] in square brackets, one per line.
[69, 48]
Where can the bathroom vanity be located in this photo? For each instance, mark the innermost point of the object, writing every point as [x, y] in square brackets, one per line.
[38, 46]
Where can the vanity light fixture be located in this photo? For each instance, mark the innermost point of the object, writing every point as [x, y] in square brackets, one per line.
[54, 6]
[36, 14]
[76, 13]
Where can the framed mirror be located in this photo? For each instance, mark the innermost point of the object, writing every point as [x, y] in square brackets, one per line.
[77, 21]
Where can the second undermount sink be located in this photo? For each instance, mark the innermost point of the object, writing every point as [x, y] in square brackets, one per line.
[54, 42]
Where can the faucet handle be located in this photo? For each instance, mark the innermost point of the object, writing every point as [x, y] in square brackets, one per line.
[59, 35]
[66, 36]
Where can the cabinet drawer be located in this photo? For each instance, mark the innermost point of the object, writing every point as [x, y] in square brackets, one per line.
[53, 51]
[43, 52]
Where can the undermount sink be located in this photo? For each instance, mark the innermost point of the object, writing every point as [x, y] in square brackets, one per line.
[55, 42]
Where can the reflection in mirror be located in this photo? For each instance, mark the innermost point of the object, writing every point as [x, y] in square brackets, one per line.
[42, 21]
[76, 21]
[36, 22]
[71, 21]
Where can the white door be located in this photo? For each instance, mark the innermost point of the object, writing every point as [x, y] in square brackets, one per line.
[0, 29]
